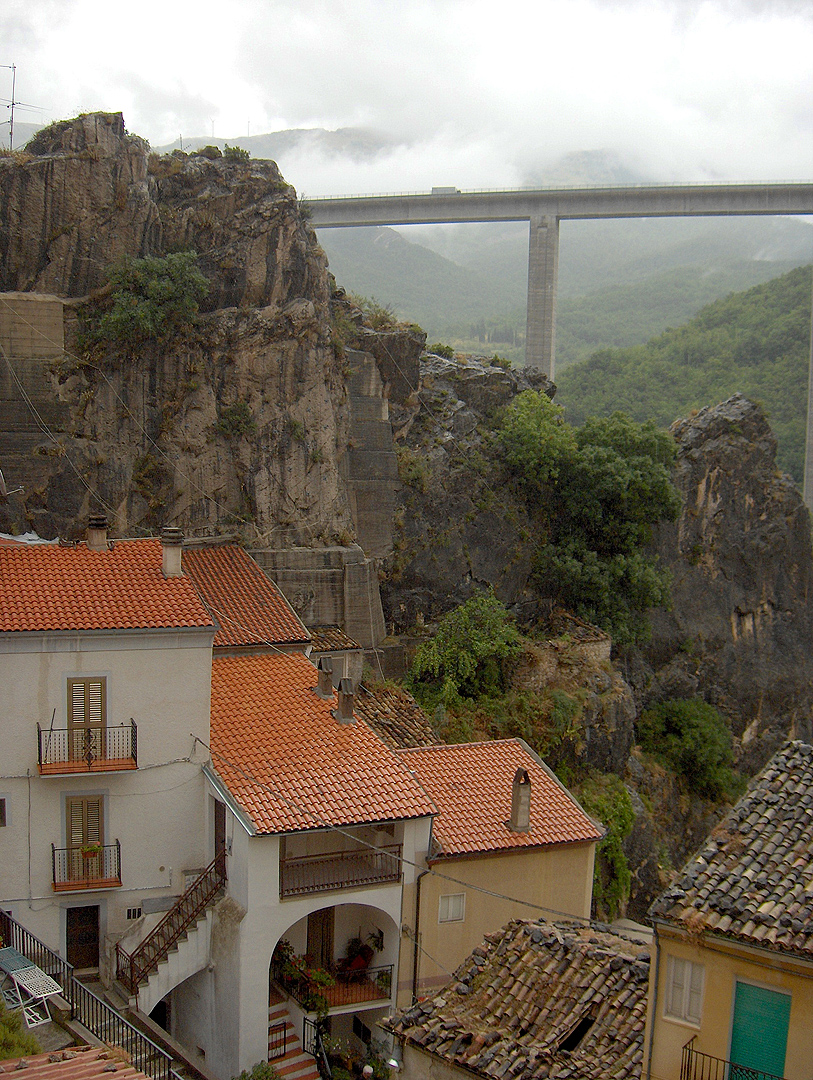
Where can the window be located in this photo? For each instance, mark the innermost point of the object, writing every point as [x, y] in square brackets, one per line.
[452, 907]
[87, 714]
[684, 990]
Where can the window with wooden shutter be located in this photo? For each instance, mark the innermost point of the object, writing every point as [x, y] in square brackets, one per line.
[87, 716]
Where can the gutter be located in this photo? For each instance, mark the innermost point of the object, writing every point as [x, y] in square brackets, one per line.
[416, 949]
[654, 1002]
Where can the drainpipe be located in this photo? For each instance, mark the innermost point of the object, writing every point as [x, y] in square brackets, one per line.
[654, 1003]
[416, 950]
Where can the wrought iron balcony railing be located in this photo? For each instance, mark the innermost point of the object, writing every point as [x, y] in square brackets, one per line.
[315, 989]
[695, 1065]
[102, 749]
[95, 866]
[303, 874]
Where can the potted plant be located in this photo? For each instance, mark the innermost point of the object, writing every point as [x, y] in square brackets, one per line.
[91, 848]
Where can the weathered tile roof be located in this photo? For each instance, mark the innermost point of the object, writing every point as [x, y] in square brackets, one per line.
[753, 879]
[288, 763]
[471, 783]
[54, 587]
[396, 716]
[77, 1063]
[248, 606]
[512, 1004]
[332, 639]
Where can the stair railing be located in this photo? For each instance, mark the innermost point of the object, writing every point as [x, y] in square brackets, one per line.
[134, 968]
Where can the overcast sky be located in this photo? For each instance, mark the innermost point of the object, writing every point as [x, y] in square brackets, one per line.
[471, 93]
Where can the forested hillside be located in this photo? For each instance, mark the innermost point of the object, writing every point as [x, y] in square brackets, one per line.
[756, 343]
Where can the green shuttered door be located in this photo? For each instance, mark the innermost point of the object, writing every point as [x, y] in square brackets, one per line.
[759, 1033]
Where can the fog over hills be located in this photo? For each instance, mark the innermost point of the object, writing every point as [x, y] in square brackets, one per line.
[620, 281]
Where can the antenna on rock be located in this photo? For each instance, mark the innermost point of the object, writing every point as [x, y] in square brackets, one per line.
[11, 104]
[4, 491]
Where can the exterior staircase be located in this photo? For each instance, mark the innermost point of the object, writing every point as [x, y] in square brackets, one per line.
[294, 1063]
[178, 947]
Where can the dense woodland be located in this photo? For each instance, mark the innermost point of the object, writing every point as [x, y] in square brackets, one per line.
[756, 343]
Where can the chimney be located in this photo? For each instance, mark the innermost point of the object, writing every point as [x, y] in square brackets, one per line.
[97, 532]
[520, 802]
[172, 546]
[324, 688]
[344, 711]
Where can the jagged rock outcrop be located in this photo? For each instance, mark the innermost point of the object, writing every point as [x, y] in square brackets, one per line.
[740, 628]
[455, 533]
[240, 424]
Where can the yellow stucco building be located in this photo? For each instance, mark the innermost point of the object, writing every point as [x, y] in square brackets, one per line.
[508, 841]
[731, 980]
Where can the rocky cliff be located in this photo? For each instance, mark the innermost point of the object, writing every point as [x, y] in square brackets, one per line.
[241, 424]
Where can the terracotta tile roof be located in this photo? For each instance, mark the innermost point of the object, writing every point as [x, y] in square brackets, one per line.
[753, 879]
[513, 1003]
[396, 716]
[77, 1063]
[248, 606]
[51, 587]
[288, 763]
[471, 783]
[331, 639]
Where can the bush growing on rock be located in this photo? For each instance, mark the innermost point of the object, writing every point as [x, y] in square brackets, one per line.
[465, 657]
[150, 299]
[691, 738]
[596, 492]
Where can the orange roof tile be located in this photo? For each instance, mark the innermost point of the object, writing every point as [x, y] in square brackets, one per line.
[51, 587]
[248, 606]
[471, 785]
[288, 763]
[76, 1063]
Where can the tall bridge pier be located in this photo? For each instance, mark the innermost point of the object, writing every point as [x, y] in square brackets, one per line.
[543, 280]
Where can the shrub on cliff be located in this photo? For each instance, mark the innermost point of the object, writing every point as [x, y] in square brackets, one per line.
[150, 299]
[596, 492]
[465, 657]
[691, 738]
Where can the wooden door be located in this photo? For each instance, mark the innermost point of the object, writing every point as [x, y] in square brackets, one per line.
[87, 708]
[320, 937]
[82, 936]
[85, 829]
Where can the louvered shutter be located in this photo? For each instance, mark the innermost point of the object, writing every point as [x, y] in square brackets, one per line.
[86, 717]
[85, 826]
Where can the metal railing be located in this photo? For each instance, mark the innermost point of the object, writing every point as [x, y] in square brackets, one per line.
[92, 867]
[303, 874]
[91, 1011]
[134, 968]
[313, 1043]
[307, 986]
[80, 749]
[695, 1065]
[277, 1040]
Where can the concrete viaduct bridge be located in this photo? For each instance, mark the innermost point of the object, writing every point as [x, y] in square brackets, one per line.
[544, 209]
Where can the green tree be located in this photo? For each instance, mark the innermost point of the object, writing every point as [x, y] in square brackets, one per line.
[604, 797]
[465, 658]
[150, 299]
[596, 492]
[691, 738]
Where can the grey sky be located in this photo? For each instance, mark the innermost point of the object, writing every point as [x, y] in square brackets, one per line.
[469, 92]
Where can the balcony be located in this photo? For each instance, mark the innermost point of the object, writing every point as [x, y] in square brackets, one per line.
[697, 1066]
[97, 866]
[302, 875]
[63, 751]
[315, 989]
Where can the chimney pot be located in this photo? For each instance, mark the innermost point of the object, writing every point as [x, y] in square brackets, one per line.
[520, 802]
[97, 532]
[172, 548]
[324, 688]
[344, 712]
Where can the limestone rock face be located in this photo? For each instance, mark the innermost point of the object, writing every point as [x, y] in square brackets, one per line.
[740, 627]
[239, 425]
[454, 533]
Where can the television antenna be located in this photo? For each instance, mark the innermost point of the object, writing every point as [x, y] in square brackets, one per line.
[13, 103]
[4, 491]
